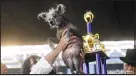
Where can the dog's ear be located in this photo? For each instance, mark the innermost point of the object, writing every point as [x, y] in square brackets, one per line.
[42, 15]
[61, 8]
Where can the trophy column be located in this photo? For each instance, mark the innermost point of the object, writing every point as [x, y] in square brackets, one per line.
[94, 50]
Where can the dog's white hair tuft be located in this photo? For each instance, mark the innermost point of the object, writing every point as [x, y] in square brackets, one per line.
[61, 8]
[49, 15]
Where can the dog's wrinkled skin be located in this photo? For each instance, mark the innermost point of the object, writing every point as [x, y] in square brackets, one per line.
[56, 20]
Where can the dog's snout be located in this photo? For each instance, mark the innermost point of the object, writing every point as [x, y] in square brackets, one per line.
[51, 22]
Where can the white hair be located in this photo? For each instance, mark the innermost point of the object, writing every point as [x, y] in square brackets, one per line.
[50, 13]
[47, 15]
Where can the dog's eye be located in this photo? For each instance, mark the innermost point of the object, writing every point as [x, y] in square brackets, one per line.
[55, 16]
[49, 19]
[44, 15]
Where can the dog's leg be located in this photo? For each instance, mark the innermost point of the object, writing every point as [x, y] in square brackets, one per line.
[51, 41]
[82, 61]
[70, 64]
[76, 62]
[77, 58]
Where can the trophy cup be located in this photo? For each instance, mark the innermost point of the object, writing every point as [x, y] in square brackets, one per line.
[93, 48]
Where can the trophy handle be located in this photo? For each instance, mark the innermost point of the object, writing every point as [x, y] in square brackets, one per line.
[96, 36]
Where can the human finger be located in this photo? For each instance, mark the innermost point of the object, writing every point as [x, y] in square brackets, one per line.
[72, 37]
[72, 41]
[65, 46]
[64, 32]
[71, 34]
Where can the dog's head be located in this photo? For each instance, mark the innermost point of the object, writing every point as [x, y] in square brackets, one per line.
[54, 16]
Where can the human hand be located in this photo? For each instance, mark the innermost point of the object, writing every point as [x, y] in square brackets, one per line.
[62, 45]
[76, 40]
[63, 42]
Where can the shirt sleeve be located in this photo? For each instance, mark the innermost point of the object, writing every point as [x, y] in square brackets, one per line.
[41, 67]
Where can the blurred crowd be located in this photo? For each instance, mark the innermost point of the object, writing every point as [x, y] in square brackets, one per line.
[129, 63]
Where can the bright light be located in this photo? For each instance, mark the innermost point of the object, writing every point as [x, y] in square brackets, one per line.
[12, 51]
[25, 49]
[119, 44]
[9, 50]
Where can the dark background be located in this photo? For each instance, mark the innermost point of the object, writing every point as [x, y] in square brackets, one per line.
[114, 20]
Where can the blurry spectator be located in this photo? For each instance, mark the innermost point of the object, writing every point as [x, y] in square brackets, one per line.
[130, 61]
[28, 64]
[4, 69]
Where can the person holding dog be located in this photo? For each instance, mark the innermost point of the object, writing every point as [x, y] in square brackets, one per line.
[44, 65]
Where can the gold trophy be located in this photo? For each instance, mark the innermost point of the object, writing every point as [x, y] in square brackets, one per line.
[91, 42]
[93, 48]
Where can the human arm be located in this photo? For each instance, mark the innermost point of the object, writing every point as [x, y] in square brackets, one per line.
[44, 65]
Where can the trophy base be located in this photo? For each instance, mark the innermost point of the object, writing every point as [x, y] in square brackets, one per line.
[90, 57]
